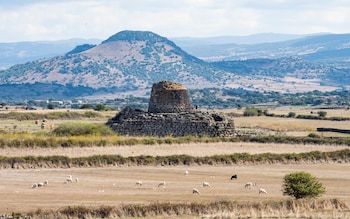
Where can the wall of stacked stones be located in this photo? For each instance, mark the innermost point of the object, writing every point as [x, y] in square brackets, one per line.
[175, 125]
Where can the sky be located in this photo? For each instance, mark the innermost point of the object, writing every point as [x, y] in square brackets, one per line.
[46, 20]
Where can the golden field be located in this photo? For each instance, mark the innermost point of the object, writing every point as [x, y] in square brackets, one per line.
[115, 186]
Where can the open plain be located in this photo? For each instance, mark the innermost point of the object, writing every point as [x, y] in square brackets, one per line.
[113, 186]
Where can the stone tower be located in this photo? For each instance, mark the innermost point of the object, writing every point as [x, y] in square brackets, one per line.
[169, 97]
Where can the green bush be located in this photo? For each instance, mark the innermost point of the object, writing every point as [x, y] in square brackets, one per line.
[251, 111]
[322, 114]
[291, 115]
[76, 129]
[302, 185]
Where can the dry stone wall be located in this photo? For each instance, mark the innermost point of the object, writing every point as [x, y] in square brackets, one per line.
[135, 122]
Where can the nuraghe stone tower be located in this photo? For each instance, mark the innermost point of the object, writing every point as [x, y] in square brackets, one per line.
[170, 113]
[169, 97]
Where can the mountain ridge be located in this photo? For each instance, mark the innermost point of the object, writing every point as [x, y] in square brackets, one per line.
[131, 61]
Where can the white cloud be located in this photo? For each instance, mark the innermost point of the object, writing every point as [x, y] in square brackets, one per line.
[51, 20]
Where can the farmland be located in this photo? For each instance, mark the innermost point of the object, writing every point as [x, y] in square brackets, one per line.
[114, 185]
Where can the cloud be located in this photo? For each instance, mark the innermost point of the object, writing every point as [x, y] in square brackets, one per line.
[51, 20]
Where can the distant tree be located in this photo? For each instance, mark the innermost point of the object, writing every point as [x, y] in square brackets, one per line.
[50, 106]
[99, 107]
[302, 185]
[322, 114]
[291, 114]
[86, 106]
[250, 111]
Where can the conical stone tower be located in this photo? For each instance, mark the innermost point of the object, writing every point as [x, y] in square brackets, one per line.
[169, 97]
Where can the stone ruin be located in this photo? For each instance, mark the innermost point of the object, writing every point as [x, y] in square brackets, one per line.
[170, 113]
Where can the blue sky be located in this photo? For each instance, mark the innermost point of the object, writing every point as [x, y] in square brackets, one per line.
[37, 20]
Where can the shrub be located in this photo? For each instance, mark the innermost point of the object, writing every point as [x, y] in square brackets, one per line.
[291, 115]
[322, 114]
[250, 111]
[76, 129]
[302, 185]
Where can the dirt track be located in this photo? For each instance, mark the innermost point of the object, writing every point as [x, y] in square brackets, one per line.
[193, 149]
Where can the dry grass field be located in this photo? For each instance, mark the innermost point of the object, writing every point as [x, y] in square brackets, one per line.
[112, 186]
[116, 185]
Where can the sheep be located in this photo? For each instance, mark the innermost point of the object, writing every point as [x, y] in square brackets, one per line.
[138, 183]
[186, 172]
[195, 191]
[161, 184]
[206, 184]
[262, 191]
[76, 180]
[40, 184]
[46, 182]
[34, 185]
[249, 185]
[69, 179]
[234, 177]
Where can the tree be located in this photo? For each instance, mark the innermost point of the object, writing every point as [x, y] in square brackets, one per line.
[322, 114]
[50, 106]
[99, 107]
[250, 111]
[291, 115]
[302, 185]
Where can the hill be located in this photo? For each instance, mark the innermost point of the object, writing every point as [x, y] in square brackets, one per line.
[330, 49]
[130, 62]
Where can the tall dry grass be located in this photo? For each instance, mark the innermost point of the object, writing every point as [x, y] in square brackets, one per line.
[332, 208]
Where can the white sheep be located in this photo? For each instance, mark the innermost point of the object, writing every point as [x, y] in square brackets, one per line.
[262, 191]
[138, 183]
[249, 185]
[195, 191]
[161, 184]
[69, 179]
[46, 182]
[186, 172]
[206, 184]
[34, 185]
[40, 184]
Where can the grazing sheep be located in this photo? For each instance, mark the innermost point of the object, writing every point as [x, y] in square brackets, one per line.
[186, 172]
[76, 180]
[195, 191]
[206, 184]
[248, 185]
[69, 179]
[162, 184]
[34, 185]
[46, 182]
[138, 183]
[262, 191]
[234, 177]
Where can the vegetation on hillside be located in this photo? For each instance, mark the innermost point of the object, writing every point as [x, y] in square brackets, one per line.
[237, 98]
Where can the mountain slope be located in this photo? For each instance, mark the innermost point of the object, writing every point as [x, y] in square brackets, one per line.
[312, 48]
[127, 60]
